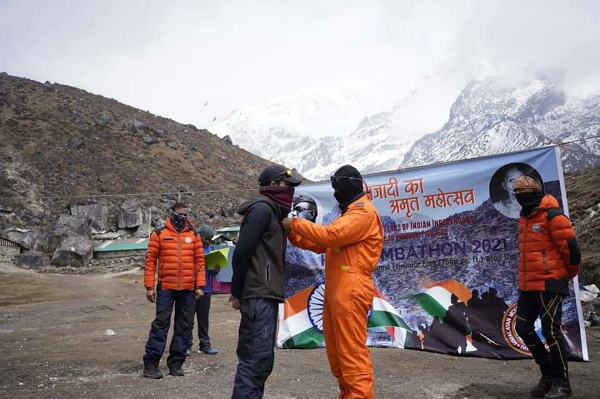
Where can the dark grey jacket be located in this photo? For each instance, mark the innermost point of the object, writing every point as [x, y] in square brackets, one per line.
[259, 255]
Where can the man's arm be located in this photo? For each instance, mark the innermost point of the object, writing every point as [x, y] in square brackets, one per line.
[199, 266]
[304, 243]
[150, 265]
[350, 228]
[564, 238]
[257, 223]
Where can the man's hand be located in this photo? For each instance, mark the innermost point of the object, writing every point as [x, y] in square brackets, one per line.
[151, 294]
[235, 303]
[287, 223]
[217, 268]
[199, 293]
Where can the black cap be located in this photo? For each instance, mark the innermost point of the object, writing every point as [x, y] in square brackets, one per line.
[277, 172]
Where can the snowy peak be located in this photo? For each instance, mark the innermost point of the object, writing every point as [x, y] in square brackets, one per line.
[489, 118]
[493, 101]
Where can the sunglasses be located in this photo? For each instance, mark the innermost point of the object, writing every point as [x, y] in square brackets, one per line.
[181, 214]
[336, 179]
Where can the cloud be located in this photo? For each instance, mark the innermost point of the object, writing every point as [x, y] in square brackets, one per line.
[172, 57]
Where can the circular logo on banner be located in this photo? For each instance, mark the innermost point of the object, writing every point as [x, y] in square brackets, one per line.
[188, 240]
[510, 334]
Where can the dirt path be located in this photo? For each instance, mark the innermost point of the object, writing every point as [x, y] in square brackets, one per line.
[53, 345]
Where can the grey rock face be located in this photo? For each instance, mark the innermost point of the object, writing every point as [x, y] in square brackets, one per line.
[96, 213]
[74, 251]
[32, 260]
[130, 214]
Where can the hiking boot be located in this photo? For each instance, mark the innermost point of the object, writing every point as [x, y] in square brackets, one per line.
[151, 371]
[560, 389]
[207, 350]
[542, 387]
[176, 371]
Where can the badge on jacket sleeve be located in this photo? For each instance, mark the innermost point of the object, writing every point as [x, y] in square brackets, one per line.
[536, 228]
[188, 240]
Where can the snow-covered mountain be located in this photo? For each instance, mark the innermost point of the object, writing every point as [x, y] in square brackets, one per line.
[490, 118]
[317, 130]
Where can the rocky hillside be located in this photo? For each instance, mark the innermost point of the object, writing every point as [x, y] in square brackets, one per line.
[583, 193]
[62, 147]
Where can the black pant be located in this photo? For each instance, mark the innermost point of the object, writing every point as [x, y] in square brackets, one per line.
[256, 347]
[548, 306]
[183, 301]
[202, 312]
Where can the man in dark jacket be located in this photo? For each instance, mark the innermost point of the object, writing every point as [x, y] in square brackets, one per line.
[258, 285]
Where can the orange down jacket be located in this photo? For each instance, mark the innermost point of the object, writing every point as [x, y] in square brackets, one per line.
[549, 254]
[179, 257]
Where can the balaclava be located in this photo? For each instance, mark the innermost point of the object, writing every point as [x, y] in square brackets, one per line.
[347, 190]
[529, 200]
[178, 221]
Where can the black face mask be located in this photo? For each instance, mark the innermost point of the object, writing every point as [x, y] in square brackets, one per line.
[179, 221]
[347, 184]
[529, 201]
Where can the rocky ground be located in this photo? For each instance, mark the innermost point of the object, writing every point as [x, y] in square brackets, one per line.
[53, 344]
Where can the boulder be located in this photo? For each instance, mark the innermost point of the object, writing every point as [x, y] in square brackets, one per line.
[228, 210]
[96, 213]
[24, 237]
[32, 260]
[134, 126]
[130, 214]
[76, 251]
[227, 139]
[65, 226]
[75, 143]
[148, 139]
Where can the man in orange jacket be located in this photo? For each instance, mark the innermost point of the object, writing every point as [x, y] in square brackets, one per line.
[181, 278]
[352, 245]
[549, 257]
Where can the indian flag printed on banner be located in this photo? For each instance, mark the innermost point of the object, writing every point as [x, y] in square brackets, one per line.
[301, 320]
[436, 298]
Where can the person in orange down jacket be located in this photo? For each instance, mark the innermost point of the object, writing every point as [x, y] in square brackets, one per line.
[179, 255]
[549, 257]
[352, 245]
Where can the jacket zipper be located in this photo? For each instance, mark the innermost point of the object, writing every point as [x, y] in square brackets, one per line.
[525, 256]
[545, 262]
[178, 261]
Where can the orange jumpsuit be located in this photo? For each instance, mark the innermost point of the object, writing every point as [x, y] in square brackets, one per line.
[352, 245]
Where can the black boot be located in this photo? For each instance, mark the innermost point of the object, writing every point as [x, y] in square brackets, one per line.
[542, 387]
[176, 371]
[561, 388]
[151, 371]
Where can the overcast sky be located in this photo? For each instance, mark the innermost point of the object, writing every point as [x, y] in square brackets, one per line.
[170, 57]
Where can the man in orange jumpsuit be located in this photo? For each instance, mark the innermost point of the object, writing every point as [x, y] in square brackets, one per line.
[352, 245]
